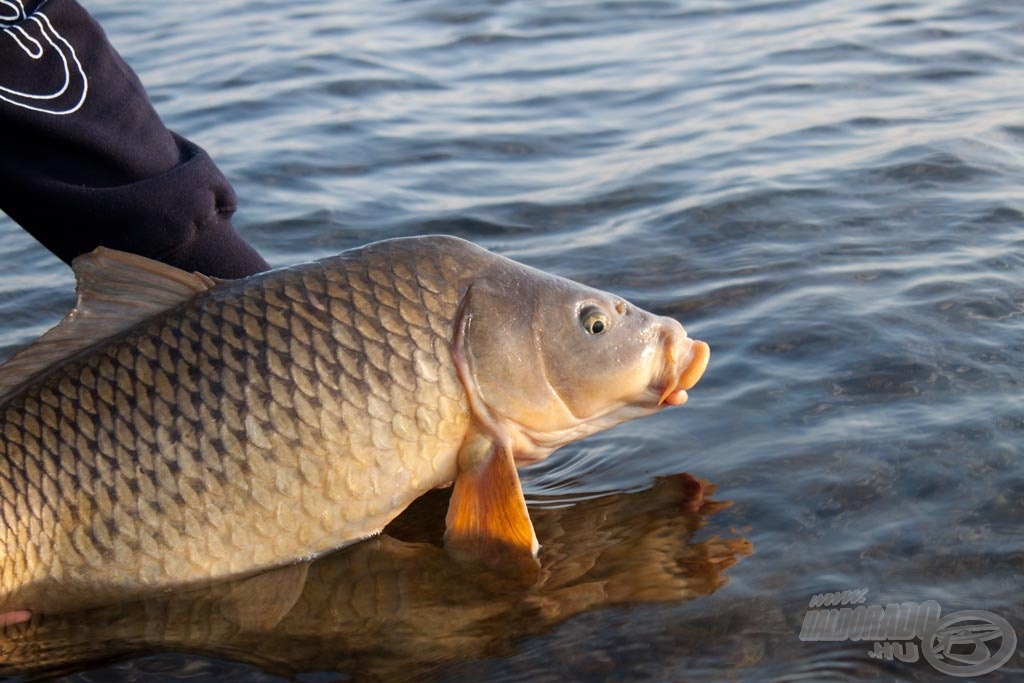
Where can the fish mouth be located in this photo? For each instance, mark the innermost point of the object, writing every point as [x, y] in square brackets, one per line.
[694, 363]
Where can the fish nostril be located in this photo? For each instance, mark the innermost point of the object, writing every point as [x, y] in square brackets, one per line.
[620, 307]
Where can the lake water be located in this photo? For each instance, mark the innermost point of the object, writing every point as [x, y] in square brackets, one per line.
[830, 193]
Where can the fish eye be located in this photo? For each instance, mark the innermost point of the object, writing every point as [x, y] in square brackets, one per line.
[594, 320]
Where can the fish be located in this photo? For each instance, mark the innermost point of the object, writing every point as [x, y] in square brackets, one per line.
[175, 428]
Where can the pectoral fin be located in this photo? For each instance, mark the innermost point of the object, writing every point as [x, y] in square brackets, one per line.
[487, 519]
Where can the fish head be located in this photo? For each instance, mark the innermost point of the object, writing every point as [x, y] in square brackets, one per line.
[547, 361]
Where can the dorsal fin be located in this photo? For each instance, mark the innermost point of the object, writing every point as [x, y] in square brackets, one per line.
[115, 291]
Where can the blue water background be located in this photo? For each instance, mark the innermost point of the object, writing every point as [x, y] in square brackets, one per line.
[830, 193]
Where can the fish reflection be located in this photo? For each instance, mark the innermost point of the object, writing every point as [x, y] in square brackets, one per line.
[398, 606]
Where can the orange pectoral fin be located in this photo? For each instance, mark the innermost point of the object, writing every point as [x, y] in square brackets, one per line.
[487, 519]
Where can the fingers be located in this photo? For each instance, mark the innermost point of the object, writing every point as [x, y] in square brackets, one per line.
[14, 617]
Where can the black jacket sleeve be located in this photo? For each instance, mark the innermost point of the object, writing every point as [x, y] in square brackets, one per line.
[86, 160]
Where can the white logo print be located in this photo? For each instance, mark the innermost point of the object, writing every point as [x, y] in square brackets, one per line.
[62, 85]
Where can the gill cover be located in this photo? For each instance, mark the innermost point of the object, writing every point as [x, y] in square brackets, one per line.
[544, 361]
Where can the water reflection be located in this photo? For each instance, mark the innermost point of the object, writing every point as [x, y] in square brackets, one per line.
[397, 607]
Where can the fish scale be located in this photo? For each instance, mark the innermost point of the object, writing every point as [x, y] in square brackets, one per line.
[220, 437]
[174, 429]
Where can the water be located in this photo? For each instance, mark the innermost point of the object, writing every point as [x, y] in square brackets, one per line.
[828, 192]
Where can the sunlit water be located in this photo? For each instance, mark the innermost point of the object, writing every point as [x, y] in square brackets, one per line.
[830, 193]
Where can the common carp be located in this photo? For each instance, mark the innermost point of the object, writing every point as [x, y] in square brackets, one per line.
[174, 428]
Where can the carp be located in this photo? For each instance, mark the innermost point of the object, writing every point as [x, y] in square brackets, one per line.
[174, 428]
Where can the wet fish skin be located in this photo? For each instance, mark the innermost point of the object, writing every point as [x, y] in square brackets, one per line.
[272, 419]
[209, 441]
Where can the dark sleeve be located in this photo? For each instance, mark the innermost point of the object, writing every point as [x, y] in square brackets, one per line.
[86, 160]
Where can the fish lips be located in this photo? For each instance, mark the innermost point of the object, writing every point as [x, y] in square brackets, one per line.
[685, 363]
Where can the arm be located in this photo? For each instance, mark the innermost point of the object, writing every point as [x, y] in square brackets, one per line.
[87, 161]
